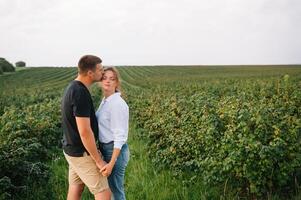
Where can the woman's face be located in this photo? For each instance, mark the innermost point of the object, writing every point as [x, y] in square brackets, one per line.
[109, 82]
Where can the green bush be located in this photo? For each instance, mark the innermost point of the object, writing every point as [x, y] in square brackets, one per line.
[6, 66]
[26, 140]
[246, 134]
[20, 64]
[30, 130]
[1, 70]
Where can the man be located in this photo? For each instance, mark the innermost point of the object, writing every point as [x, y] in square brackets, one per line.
[80, 130]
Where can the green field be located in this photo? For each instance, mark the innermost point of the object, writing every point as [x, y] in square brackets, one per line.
[197, 132]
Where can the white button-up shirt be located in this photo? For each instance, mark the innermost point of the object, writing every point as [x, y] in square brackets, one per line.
[113, 120]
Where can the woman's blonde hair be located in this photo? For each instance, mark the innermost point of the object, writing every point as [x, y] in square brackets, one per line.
[117, 77]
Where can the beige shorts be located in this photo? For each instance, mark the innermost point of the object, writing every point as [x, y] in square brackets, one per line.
[83, 170]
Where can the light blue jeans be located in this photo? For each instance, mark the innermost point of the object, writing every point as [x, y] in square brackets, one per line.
[116, 179]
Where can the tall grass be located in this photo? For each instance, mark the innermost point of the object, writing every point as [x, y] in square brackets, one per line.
[146, 181]
[143, 180]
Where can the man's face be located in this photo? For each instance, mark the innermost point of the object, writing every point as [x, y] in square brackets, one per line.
[97, 74]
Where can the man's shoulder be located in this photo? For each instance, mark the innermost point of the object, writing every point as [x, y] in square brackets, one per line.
[75, 91]
[75, 87]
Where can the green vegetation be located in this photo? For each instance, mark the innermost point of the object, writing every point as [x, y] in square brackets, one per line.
[218, 132]
[29, 128]
[6, 66]
[20, 64]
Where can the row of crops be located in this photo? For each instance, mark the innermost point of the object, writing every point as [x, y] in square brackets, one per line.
[235, 127]
[29, 128]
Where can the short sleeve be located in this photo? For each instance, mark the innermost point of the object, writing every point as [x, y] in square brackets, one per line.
[81, 104]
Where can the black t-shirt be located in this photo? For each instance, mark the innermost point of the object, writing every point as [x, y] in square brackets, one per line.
[77, 102]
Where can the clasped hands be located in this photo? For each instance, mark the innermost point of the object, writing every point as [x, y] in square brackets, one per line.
[105, 168]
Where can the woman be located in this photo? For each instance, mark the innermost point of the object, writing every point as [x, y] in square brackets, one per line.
[113, 122]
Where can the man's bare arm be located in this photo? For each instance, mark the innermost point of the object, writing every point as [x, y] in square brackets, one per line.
[87, 137]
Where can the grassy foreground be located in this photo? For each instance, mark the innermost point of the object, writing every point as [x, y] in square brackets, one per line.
[143, 180]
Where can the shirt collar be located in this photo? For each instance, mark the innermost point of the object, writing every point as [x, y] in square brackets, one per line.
[109, 98]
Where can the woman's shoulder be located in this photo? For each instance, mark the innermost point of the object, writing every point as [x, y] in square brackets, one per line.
[119, 102]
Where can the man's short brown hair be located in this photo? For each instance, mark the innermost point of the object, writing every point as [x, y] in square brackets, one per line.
[88, 62]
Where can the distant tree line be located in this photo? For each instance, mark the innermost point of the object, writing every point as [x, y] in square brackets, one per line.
[6, 66]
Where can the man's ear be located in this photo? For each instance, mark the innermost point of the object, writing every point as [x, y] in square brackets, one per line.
[89, 73]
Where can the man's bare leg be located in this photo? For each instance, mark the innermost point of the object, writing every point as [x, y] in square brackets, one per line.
[75, 192]
[104, 195]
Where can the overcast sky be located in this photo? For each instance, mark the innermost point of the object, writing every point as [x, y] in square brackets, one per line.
[141, 32]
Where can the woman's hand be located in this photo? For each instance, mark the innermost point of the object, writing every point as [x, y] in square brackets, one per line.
[107, 169]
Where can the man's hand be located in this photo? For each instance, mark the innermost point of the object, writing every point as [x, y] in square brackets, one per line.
[100, 164]
[107, 169]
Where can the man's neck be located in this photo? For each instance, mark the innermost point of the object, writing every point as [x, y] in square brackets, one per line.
[85, 80]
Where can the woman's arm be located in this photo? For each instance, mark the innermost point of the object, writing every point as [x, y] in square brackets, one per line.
[119, 123]
[107, 169]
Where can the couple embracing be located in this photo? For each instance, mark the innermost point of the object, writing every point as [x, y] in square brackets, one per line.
[95, 144]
